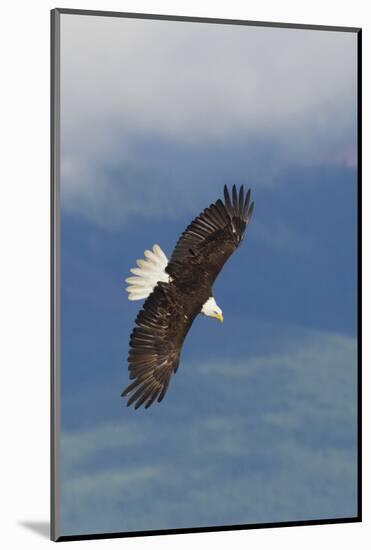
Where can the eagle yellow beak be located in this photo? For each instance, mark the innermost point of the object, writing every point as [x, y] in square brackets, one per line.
[219, 316]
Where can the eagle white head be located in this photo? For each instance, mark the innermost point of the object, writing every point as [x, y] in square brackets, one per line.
[211, 309]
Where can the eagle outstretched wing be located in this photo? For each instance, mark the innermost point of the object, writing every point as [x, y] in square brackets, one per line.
[213, 236]
[155, 345]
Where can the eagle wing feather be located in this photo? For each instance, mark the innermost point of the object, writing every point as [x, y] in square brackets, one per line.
[211, 238]
[155, 346]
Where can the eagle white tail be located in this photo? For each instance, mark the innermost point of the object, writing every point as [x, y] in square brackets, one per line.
[148, 273]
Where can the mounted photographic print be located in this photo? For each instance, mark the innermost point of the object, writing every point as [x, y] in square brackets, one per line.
[205, 274]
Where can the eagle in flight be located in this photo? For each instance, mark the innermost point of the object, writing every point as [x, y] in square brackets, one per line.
[177, 290]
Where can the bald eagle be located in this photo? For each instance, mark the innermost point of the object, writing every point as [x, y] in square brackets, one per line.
[177, 290]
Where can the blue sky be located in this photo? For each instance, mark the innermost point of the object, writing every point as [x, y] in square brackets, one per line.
[259, 422]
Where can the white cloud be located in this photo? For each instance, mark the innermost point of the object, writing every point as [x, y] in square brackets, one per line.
[194, 86]
[115, 481]
[77, 448]
[324, 351]
[193, 82]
